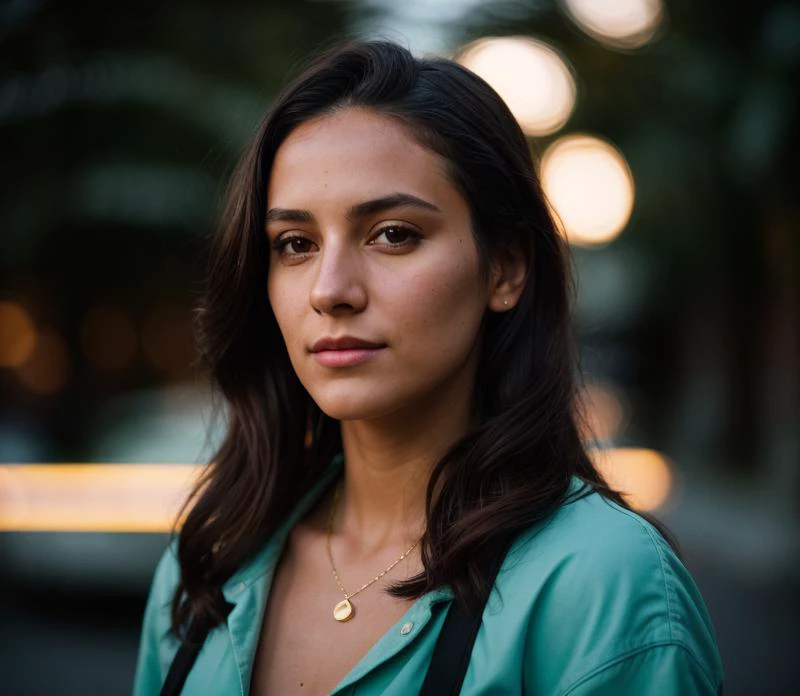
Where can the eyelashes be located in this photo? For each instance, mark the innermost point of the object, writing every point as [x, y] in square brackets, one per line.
[288, 245]
[397, 235]
[393, 237]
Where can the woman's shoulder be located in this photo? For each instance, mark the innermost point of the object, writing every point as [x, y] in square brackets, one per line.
[157, 643]
[596, 583]
[165, 579]
[592, 528]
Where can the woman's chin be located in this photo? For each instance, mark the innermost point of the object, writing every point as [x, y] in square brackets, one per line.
[354, 407]
[349, 412]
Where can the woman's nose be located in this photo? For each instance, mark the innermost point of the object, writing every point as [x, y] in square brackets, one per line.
[338, 287]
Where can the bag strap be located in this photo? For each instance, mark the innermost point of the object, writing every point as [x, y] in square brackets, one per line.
[183, 662]
[453, 649]
[185, 657]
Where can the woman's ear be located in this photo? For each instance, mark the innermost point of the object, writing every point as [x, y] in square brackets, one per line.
[508, 273]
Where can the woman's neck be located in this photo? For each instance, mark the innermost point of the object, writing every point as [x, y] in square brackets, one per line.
[387, 468]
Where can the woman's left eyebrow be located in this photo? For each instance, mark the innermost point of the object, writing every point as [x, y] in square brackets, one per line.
[393, 200]
[357, 211]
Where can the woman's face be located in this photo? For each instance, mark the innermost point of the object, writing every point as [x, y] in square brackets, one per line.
[374, 275]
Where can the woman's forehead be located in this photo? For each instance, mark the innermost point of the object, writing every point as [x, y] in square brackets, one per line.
[354, 151]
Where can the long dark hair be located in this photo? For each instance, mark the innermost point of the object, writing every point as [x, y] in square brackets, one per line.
[514, 467]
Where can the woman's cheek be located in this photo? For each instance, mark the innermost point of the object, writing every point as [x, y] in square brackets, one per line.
[442, 314]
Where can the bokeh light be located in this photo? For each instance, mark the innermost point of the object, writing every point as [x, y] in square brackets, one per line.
[531, 77]
[590, 187]
[108, 337]
[167, 339]
[603, 410]
[17, 334]
[93, 497]
[618, 23]
[47, 369]
[643, 477]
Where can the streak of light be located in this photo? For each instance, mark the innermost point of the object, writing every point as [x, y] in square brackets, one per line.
[93, 497]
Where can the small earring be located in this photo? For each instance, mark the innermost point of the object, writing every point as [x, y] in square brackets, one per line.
[505, 303]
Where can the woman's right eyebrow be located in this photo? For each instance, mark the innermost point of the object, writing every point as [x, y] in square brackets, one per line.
[359, 210]
[287, 215]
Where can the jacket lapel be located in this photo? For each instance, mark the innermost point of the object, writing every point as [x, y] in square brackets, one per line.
[248, 589]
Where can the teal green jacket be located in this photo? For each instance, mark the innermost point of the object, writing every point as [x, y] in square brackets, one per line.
[590, 601]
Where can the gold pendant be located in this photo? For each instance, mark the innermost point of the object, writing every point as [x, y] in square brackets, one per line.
[343, 611]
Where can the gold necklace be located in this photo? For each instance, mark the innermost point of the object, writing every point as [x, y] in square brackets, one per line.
[344, 610]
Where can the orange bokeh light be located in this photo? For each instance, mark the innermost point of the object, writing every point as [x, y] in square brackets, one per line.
[603, 411]
[643, 477]
[47, 369]
[17, 334]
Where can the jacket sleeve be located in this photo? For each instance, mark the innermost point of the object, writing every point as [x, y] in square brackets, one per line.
[666, 670]
[157, 645]
[618, 613]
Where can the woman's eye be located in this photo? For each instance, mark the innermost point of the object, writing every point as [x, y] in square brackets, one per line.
[396, 236]
[293, 246]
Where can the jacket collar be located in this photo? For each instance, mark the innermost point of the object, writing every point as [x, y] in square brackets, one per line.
[264, 561]
[248, 590]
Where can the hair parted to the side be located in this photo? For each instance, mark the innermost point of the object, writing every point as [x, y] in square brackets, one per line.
[514, 468]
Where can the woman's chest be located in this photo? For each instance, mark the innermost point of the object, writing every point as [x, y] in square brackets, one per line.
[302, 648]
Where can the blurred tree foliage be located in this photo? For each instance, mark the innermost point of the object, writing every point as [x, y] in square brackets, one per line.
[120, 121]
[119, 124]
[706, 115]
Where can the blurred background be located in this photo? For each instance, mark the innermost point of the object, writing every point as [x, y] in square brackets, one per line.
[665, 132]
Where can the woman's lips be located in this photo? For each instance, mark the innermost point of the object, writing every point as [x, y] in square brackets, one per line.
[346, 357]
[345, 351]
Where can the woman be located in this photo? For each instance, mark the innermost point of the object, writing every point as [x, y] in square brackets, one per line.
[387, 319]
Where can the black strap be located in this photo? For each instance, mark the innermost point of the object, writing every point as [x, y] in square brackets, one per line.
[185, 657]
[453, 649]
[448, 665]
[183, 662]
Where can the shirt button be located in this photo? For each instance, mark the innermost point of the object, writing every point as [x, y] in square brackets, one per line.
[406, 629]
